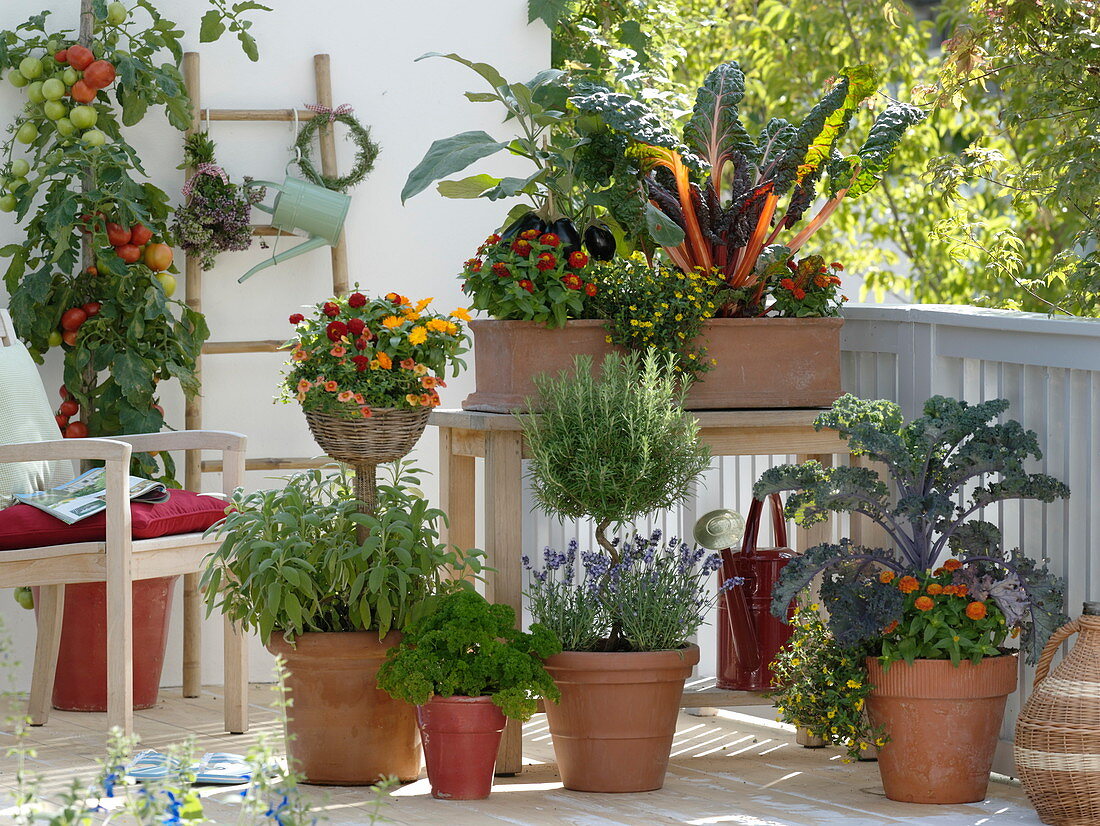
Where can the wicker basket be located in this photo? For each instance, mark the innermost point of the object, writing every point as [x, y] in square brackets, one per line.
[388, 435]
[1058, 731]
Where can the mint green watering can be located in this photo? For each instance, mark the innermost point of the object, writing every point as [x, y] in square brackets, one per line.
[300, 205]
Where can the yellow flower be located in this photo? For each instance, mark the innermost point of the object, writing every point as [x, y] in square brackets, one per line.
[854, 684]
[418, 335]
[412, 315]
[412, 399]
[392, 321]
[461, 313]
[438, 325]
[423, 303]
[859, 704]
[831, 714]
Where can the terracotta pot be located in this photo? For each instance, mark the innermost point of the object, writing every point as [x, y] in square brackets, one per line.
[614, 725]
[461, 736]
[762, 362]
[942, 722]
[343, 730]
[81, 681]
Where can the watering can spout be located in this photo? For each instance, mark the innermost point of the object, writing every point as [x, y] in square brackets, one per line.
[306, 246]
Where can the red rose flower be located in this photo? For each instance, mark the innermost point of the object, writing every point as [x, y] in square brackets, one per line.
[361, 362]
[356, 325]
[589, 289]
[356, 300]
[529, 234]
[297, 318]
[521, 247]
[577, 259]
[550, 240]
[330, 309]
[547, 261]
[336, 330]
[527, 285]
[473, 265]
[572, 281]
[361, 343]
[500, 269]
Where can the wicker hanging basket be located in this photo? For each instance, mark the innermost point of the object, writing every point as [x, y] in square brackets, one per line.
[388, 435]
[1057, 746]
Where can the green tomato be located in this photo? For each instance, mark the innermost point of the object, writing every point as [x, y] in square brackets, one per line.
[30, 67]
[94, 137]
[34, 92]
[25, 597]
[55, 339]
[16, 79]
[53, 89]
[70, 76]
[167, 282]
[116, 14]
[28, 133]
[54, 109]
[83, 117]
[64, 127]
[20, 168]
[15, 184]
[7, 203]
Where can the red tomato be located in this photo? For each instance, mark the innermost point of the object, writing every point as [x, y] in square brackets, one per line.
[99, 75]
[81, 92]
[80, 57]
[158, 257]
[92, 270]
[140, 235]
[118, 235]
[76, 430]
[92, 308]
[61, 420]
[68, 408]
[130, 253]
[62, 56]
[64, 392]
[72, 319]
[69, 337]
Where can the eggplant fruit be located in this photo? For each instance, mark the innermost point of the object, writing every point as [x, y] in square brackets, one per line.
[566, 230]
[599, 242]
[529, 220]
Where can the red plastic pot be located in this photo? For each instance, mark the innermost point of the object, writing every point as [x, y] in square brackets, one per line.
[461, 736]
[81, 681]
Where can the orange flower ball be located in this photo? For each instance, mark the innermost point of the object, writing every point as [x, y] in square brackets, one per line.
[976, 610]
[925, 604]
[934, 588]
[952, 564]
[908, 584]
[886, 577]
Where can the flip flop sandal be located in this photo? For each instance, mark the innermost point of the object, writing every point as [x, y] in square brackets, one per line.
[148, 765]
[222, 768]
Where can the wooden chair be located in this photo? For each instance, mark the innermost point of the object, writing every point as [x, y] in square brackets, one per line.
[119, 561]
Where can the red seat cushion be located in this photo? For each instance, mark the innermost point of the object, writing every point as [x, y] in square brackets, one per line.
[23, 526]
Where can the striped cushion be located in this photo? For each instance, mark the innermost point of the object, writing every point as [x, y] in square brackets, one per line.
[25, 416]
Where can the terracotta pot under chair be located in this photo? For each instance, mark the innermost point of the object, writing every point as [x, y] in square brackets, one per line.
[461, 736]
[942, 721]
[614, 725]
[343, 730]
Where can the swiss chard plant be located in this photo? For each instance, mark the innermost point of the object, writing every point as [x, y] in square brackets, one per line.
[720, 198]
[943, 468]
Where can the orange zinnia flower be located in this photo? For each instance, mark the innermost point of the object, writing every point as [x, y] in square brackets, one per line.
[952, 565]
[908, 584]
[886, 577]
[976, 610]
[384, 360]
[934, 588]
[924, 604]
[891, 628]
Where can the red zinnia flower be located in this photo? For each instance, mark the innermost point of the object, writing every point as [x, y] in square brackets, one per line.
[572, 281]
[578, 260]
[527, 285]
[500, 269]
[356, 300]
[473, 265]
[799, 293]
[547, 261]
[397, 299]
[360, 343]
[550, 240]
[787, 284]
[297, 318]
[529, 234]
[590, 289]
[356, 326]
[836, 265]
[521, 247]
[330, 309]
[336, 330]
[361, 362]
[492, 239]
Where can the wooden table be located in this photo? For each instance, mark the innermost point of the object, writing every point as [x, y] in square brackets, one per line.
[498, 439]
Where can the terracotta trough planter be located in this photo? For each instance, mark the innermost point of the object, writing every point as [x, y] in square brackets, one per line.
[343, 730]
[761, 362]
[943, 722]
[614, 725]
[461, 736]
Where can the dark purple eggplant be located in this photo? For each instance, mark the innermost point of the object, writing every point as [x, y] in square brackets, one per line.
[566, 230]
[529, 220]
[599, 242]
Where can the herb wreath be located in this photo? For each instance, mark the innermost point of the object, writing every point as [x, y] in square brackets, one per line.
[366, 151]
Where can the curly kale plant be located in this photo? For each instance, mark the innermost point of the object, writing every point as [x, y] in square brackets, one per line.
[944, 467]
[470, 648]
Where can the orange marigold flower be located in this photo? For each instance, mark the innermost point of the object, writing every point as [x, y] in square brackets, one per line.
[924, 604]
[418, 335]
[934, 588]
[331, 386]
[908, 584]
[976, 610]
[821, 280]
[886, 577]
[384, 360]
[392, 321]
[891, 628]
[461, 313]
[952, 564]
[961, 590]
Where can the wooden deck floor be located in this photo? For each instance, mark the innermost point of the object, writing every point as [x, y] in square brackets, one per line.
[730, 769]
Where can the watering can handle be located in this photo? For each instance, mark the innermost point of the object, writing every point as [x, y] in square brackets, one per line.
[264, 207]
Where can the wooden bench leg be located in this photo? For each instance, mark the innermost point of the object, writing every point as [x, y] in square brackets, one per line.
[120, 652]
[236, 679]
[51, 611]
[192, 635]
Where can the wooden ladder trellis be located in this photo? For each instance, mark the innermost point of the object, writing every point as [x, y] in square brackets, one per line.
[195, 467]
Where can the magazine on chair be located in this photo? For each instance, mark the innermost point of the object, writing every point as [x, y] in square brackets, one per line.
[86, 495]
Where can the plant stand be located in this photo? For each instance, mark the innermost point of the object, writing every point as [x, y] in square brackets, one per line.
[497, 438]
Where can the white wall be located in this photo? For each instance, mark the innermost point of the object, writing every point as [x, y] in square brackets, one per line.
[416, 249]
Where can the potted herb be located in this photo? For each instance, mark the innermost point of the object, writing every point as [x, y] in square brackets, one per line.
[937, 607]
[466, 668]
[613, 449]
[292, 567]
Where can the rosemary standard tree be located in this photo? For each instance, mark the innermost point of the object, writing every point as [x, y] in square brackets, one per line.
[944, 467]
